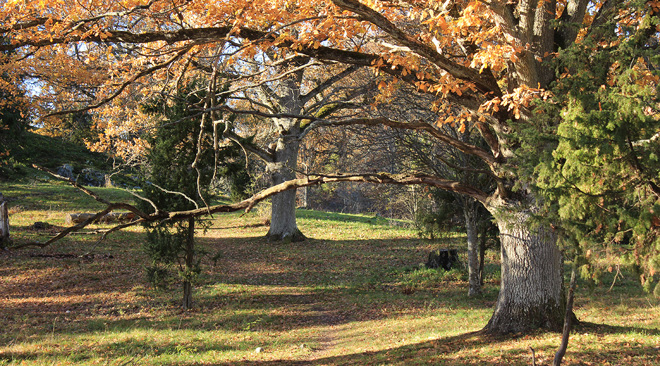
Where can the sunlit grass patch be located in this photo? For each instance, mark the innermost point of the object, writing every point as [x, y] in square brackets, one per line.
[355, 293]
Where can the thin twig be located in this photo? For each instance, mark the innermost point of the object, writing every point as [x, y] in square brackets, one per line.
[568, 316]
[175, 192]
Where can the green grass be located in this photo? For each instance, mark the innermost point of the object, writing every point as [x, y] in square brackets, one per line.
[51, 152]
[32, 148]
[352, 294]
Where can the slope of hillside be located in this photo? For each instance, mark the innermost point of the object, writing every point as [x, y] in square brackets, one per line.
[50, 152]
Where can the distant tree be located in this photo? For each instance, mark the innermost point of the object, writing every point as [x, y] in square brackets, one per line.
[13, 120]
[488, 62]
[75, 127]
[420, 153]
[298, 87]
[13, 109]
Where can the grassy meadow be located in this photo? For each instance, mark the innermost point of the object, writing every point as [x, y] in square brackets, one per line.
[352, 294]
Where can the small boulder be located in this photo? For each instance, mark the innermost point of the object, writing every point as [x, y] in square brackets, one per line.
[65, 171]
[91, 177]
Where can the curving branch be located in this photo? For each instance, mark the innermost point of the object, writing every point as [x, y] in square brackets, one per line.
[92, 194]
[205, 35]
[124, 85]
[73, 25]
[470, 149]
[327, 84]
[484, 81]
[248, 204]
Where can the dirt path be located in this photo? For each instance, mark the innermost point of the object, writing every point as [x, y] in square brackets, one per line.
[328, 340]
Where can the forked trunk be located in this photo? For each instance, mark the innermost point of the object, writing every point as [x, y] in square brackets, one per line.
[283, 224]
[531, 289]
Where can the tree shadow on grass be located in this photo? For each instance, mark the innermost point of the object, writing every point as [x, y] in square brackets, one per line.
[418, 353]
[443, 351]
[614, 329]
[315, 261]
[452, 350]
[436, 351]
[128, 349]
[317, 283]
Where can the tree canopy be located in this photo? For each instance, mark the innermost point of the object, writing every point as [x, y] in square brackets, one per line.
[490, 66]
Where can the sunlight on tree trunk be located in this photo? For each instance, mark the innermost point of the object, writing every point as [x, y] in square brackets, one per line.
[283, 218]
[283, 224]
[531, 287]
[473, 249]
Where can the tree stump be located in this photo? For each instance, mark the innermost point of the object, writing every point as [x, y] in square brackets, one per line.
[443, 258]
[4, 223]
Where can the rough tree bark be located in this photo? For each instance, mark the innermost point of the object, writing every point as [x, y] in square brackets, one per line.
[4, 223]
[531, 286]
[474, 274]
[283, 224]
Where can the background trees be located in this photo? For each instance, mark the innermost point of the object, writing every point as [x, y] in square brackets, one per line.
[13, 115]
[487, 63]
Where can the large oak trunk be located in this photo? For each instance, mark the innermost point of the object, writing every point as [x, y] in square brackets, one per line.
[532, 283]
[285, 161]
[283, 224]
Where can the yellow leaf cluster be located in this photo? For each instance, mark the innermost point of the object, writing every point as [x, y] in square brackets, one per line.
[515, 101]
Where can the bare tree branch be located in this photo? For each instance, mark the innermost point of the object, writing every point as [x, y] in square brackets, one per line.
[248, 204]
[93, 194]
[484, 81]
[414, 125]
[177, 193]
[125, 84]
[327, 84]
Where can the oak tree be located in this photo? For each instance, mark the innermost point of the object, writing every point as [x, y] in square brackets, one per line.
[487, 62]
[298, 87]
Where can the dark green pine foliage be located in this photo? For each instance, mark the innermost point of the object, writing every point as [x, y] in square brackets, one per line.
[12, 117]
[599, 167]
[13, 121]
[171, 183]
[12, 126]
[80, 127]
[443, 218]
